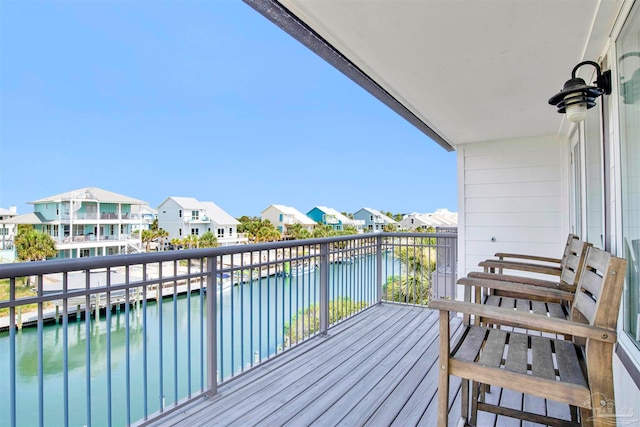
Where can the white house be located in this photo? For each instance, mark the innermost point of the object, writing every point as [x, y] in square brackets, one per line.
[283, 216]
[477, 78]
[147, 216]
[373, 220]
[439, 218]
[7, 231]
[182, 216]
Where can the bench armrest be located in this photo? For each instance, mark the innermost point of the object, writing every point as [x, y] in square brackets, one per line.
[523, 279]
[521, 266]
[524, 320]
[502, 255]
[526, 290]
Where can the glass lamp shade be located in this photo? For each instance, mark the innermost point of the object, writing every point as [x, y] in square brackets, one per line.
[576, 109]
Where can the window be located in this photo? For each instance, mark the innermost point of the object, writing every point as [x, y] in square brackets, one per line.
[628, 45]
[195, 215]
[180, 213]
[195, 231]
[230, 231]
[220, 232]
[576, 184]
[180, 232]
[594, 194]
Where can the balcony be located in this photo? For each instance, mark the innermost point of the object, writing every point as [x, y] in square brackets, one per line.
[329, 331]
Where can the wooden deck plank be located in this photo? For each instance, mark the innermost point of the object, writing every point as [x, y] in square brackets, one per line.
[513, 400]
[420, 385]
[292, 378]
[321, 386]
[335, 403]
[378, 368]
[430, 415]
[259, 379]
[379, 384]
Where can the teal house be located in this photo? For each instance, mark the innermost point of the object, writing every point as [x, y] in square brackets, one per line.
[333, 218]
[88, 222]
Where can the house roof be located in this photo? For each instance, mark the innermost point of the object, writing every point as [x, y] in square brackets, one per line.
[441, 217]
[380, 215]
[215, 213]
[90, 193]
[149, 209]
[299, 216]
[460, 71]
[335, 213]
[31, 218]
[218, 215]
[6, 212]
[184, 202]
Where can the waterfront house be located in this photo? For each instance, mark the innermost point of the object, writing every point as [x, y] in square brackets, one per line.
[478, 78]
[7, 234]
[183, 216]
[333, 218]
[87, 222]
[284, 216]
[373, 220]
[439, 218]
[7, 230]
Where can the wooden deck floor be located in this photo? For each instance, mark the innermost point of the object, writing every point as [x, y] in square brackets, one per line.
[375, 369]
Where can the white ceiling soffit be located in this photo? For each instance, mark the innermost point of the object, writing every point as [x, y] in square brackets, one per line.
[461, 70]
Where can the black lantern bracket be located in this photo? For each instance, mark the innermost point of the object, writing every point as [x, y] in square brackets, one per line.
[576, 91]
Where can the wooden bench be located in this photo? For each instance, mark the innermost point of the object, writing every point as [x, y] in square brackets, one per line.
[532, 263]
[576, 372]
[567, 278]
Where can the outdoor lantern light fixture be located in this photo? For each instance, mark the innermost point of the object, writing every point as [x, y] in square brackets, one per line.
[576, 97]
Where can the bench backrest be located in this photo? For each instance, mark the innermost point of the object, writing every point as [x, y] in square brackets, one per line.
[572, 260]
[599, 292]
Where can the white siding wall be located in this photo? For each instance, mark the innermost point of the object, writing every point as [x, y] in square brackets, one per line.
[514, 191]
[170, 221]
[273, 215]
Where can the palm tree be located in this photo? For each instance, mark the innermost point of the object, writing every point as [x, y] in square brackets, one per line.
[32, 245]
[298, 232]
[268, 234]
[323, 230]
[176, 242]
[208, 240]
[190, 241]
[147, 238]
[161, 235]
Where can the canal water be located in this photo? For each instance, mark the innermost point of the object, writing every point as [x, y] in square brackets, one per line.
[172, 364]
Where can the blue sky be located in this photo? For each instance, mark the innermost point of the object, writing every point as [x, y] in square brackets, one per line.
[203, 99]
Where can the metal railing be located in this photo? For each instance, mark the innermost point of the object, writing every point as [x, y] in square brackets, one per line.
[121, 340]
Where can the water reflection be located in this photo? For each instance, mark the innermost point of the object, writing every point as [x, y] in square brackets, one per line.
[53, 344]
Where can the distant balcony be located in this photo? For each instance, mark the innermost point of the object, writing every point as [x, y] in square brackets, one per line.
[87, 238]
[115, 216]
[141, 338]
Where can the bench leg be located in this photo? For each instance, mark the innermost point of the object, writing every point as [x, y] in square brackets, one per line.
[443, 377]
[464, 399]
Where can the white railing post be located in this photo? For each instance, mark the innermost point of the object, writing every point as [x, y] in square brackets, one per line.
[324, 288]
[379, 268]
[212, 327]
